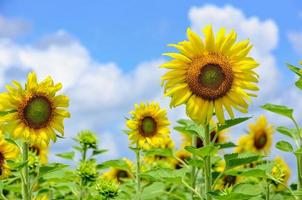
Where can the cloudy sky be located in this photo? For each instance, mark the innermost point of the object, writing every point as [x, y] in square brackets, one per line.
[107, 53]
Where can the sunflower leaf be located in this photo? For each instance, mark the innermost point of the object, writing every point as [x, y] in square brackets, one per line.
[295, 69]
[190, 127]
[285, 131]
[210, 150]
[232, 122]
[159, 152]
[226, 145]
[299, 83]
[67, 155]
[284, 146]
[119, 164]
[279, 109]
[236, 159]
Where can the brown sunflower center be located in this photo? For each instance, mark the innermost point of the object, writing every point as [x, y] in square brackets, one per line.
[260, 140]
[229, 180]
[2, 160]
[35, 149]
[210, 76]
[37, 112]
[199, 142]
[148, 126]
[121, 174]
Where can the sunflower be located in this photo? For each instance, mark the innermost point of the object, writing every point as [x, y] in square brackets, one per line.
[41, 152]
[219, 137]
[225, 181]
[35, 112]
[241, 143]
[8, 151]
[182, 155]
[281, 172]
[260, 136]
[160, 160]
[119, 175]
[148, 126]
[210, 75]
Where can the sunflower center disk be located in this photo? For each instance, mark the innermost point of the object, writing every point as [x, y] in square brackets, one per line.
[37, 112]
[210, 77]
[121, 174]
[148, 127]
[260, 141]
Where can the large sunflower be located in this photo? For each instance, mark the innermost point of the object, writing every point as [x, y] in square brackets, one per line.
[35, 111]
[260, 136]
[211, 75]
[148, 126]
[8, 151]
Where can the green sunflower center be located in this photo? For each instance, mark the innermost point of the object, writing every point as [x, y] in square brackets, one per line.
[37, 112]
[211, 76]
[148, 126]
[260, 141]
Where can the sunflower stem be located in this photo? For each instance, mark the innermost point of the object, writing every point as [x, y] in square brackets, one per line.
[84, 152]
[299, 157]
[25, 181]
[193, 171]
[207, 168]
[138, 170]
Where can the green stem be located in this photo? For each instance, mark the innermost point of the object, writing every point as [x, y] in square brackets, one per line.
[84, 152]
[299, 157]
[25, 181]
[267, 189]
[138, 169]
[193, 171]
[207, 170]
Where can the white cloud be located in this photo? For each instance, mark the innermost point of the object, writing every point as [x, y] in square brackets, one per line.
[295, 39]
[12, 27]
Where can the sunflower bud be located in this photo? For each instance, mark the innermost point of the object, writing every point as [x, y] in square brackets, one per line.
[107, 189]
[87, 139]
[87, 171]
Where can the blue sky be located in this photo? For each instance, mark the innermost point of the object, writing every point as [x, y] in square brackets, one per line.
[107, 53]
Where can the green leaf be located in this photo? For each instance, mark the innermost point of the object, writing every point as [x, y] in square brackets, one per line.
[236, 159]
[226, 145]
[67, 155]
[10, 140]
[247, 188]
[99, 151]
[51, 168]
[159, 152]
[285, 131]
[232, 122]
[295, 69]
[119, 164]
[279, 109]
[284, 146]
[210, 150]
[231, 196]
[153, 191]
[190, 127]
[299, 83]
[164, 174]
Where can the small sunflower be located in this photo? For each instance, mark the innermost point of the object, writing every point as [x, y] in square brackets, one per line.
[35, 111]
[226, 181]
[241, 143]
[261, 136]
[8, 151]
[182, 155]
[211, 75]
[41, 152]
[148, 126]
[281, 172]
[119, 175]
[219, 137]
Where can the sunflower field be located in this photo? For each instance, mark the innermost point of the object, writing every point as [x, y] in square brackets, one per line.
[214, 78]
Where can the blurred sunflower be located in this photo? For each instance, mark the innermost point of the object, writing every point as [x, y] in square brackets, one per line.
[182, 155]
[119, 175]
[225, 181]
[210, 75]
[241, 143]
[219, 137]
[281, 172]
[41, 152]
[8, 151]
[159, 160]
[260, 136]
[35, 112]
[148, 126]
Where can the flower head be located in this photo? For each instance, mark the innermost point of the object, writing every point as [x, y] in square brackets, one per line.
[87, 139]
[210, 75]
